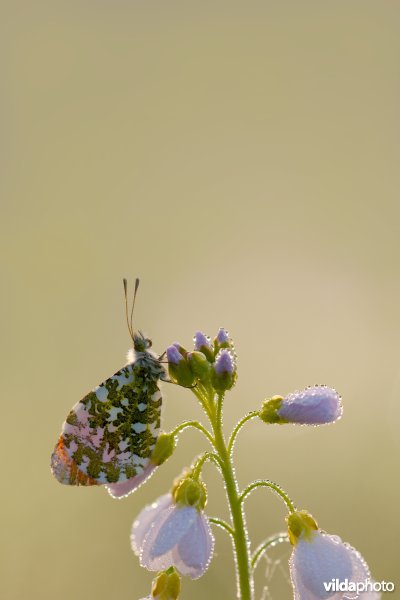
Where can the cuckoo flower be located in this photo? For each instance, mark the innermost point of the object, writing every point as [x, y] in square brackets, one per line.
[316, 405]
[319, 559]
[175, 532]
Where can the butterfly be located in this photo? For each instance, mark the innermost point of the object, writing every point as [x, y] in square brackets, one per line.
[108, 437]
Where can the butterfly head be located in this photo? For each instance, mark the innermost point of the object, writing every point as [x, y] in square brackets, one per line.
[140, 342]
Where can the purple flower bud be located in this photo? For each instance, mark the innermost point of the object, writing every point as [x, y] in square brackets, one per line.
[315, 405]
[224, 362]
[173, 355]
[222, 340]
[180, 349]
[178, 367]
[223, 336]
[202, 344]
[200, 340]
[223, 375]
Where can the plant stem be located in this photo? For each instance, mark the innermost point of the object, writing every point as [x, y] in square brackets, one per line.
[221, 523]
[203, 459]
[195, 425]
[272, 541]
[271, 485]
[238, 427]
[240, 536]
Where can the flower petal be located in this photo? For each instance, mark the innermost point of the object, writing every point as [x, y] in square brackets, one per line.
[176, 525]
[144, 521]
[194, 551]
[168, 528]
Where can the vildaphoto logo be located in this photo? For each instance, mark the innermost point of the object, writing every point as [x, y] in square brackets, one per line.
[336, 585]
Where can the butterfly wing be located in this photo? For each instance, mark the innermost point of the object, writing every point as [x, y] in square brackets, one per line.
[109, 435]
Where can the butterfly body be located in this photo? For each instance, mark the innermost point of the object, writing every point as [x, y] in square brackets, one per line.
[108, 436]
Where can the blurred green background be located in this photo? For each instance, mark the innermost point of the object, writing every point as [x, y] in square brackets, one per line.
[242, 158]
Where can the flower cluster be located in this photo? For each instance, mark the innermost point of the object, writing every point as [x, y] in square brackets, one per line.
[209, 364]
[175, 533]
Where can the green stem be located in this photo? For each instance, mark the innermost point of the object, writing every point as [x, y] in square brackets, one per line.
[240, 536]
[204, 458]
[206, 403]
[195, 425]
[270, 542]
[238, 427]
[222, 524]
[268, 484]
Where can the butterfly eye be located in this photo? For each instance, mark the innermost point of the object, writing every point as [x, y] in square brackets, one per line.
[148, 342]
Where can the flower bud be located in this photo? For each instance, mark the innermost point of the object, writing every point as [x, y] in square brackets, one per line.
[203, 344]
[199, 365]
[164, 448]
[222, 340]
[316, 405]
[191, 492]
[223, 374]
[178, 480]
[167, 585]
[174, 357]
[180, 349]
[178, 367]
[300, 525]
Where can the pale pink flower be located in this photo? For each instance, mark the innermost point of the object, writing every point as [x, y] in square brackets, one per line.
[166, 534]
[318, 559]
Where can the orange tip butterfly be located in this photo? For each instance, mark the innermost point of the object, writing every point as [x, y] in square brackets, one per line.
[109, 436]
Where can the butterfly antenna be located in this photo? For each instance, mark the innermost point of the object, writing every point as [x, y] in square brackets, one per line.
[133, 302]
[126, 307]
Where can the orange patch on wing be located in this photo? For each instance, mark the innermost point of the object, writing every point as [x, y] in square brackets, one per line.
[66, 470]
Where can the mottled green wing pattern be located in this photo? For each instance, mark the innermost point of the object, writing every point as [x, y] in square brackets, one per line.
[109, 436]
